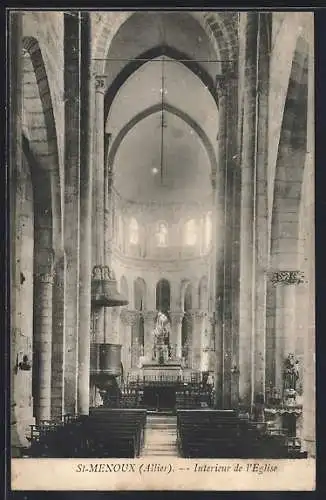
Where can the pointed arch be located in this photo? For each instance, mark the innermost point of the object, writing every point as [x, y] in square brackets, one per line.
[175, 111]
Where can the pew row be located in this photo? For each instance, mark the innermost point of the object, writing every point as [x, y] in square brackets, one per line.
[111, 433]
[222, 434]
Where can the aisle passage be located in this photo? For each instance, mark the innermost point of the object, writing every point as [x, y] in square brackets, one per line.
[160, 436]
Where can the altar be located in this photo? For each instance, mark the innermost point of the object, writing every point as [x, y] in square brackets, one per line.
[167, 373]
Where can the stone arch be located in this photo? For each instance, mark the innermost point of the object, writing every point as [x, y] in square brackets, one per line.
[282, 56]
[221, 28]
[290, 163]
[153, 53]
[171, 109]
[42, 137]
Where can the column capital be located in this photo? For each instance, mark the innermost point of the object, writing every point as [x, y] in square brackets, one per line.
[286, 277]
[100, 273]
[176, 317]
[100, 83]
[149, 316]
[47, 277]
[197, 314]
[129, 317]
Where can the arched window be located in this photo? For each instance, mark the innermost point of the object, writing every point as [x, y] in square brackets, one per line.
[208, 229]
[162, 235]
[133, 232]
[191, 232]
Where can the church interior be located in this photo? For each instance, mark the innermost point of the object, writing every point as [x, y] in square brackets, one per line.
[162, 242]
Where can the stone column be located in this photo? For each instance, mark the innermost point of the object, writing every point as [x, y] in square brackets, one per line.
[219, 234]
[98, 194]
[72, 113]
[248, 181]
[176, 326]
[135, 349]
[261, 253]
[43, 289]
[309, 376]
[110, 317]
[85, 270]
[126, 318]
[58, 338]
[149, 317]
[197, 326]
[17, 437]
[186, 350]
[205, 344]
[285, 331]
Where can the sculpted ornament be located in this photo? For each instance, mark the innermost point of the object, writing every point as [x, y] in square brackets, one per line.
[100, 83]
[287, 278]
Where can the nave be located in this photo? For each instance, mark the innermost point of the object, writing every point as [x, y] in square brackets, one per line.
[161, 233]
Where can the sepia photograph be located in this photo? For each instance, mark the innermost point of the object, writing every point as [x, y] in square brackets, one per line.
[162, 273]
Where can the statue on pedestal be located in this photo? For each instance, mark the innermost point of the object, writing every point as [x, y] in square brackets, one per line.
[162, 348]
[290, 378]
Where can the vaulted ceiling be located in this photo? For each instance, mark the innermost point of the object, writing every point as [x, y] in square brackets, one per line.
[154, 54]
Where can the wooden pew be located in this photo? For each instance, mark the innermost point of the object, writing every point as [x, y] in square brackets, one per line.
[108, 425]
[221, 434]
[103, 433]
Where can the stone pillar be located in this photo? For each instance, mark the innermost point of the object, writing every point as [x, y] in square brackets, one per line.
[285, 325]
[261, 253]
[176, 340]
[72, 113]
[126, 318]
[219, 242]
[110, 317]
[187, 347]
[58, 338]
[135, 349]
[309, 375]
[17, 434]
[248, 181]
[98, 195]
[86, 180]
[149, 317]
[197, 327]
[43, 289]
[205, 344]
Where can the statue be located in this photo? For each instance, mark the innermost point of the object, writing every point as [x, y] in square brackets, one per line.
[290, 378]
[162, 348]
[162, 235]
